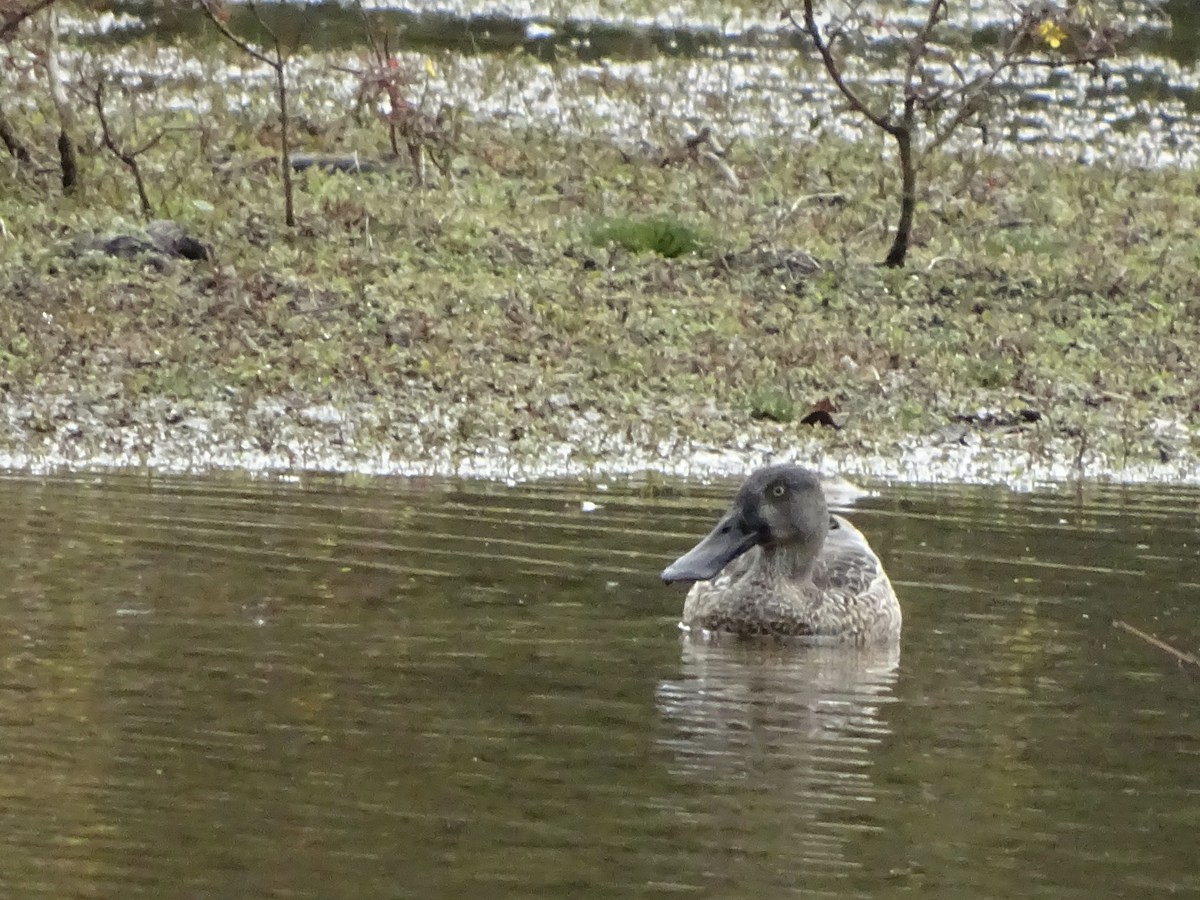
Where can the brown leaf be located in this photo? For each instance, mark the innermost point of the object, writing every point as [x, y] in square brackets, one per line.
[820, 417]
[820, 414]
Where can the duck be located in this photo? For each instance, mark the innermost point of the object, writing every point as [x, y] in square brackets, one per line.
[779, 564]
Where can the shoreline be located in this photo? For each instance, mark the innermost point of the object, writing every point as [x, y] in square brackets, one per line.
[321, 439]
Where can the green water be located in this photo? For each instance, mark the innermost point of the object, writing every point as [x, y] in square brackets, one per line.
[226, 689]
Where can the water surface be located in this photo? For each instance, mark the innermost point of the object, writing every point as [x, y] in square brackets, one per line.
[627, 71]
[226, 688]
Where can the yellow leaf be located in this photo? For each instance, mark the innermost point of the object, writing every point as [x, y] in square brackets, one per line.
[1049, 32]
[429, 69]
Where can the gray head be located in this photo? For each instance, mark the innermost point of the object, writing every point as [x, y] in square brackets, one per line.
[778, 506]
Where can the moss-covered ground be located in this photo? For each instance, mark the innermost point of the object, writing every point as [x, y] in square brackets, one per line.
[1049, 309]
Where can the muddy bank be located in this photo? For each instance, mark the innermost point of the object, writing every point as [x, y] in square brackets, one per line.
[286, 436]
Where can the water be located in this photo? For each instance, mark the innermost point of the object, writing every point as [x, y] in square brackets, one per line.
[224, 688]
[633, 72]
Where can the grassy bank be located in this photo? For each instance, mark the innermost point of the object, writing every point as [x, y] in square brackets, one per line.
[1049, 308]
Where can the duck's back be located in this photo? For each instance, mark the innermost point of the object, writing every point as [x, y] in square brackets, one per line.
[858, 597]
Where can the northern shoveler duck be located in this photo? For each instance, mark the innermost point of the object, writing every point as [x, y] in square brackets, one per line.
[778, 563]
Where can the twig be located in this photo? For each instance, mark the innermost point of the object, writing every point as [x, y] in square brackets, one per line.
[813, 30]
[15, 146]
[215, 10]
[919, 45]
[969, 92]
[12, 20]
[127, 157]
[382, 51]
[1180, 655]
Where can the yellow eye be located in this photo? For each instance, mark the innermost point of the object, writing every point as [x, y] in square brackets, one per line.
[778, 491]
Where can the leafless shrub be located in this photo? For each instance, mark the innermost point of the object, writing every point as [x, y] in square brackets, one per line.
[946, 84]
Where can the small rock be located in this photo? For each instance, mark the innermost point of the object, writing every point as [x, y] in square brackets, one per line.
[952, 434]
[321, 415]
[351, 164]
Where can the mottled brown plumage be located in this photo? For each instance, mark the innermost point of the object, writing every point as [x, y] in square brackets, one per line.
[779, 564]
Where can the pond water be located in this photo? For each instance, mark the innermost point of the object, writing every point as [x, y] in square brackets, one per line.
[228, 688]
[634, 71]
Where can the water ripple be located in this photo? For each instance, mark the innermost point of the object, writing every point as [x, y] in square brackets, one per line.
[245, 688]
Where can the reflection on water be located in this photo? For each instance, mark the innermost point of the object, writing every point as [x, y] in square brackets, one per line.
[799, 725]
[224, 688]
[740, 710]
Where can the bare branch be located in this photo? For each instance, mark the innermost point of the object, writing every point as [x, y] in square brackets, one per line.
[262, 23]
[809, 25]
[382, 52]
[155, 141]
[919, 45]
[127, 158]
[279, 66]
[966, 95]
[1181, 655]
[211, 8]
[13, 20]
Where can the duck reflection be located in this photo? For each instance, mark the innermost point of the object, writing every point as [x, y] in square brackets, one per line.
[783, 739]
[740, 705]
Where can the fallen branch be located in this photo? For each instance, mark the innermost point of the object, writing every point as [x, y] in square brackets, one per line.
[1180, 655]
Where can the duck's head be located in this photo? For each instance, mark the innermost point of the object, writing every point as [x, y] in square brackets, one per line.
[778, 506]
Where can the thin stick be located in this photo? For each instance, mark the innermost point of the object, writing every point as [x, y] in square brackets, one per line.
[15, 147]
[809, 26]
[127, 157]
[11, 19]
[215, 11]
[1180, 655]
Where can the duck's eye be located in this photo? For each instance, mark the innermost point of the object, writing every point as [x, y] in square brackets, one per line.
[778, 491]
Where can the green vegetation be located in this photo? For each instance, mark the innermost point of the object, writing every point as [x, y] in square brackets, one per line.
[927, 101]
[772, 403]
[477, 312]
[664, 236]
